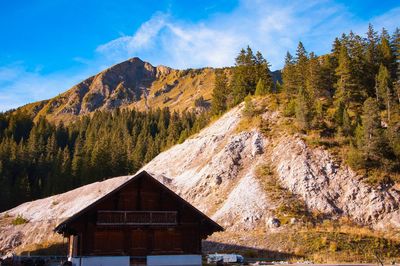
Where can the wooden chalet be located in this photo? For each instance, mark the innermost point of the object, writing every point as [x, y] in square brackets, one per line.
[140, 218]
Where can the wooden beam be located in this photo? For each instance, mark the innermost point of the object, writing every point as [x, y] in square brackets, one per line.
[139, 196]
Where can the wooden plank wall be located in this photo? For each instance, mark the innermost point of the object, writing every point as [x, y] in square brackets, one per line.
[185, 238]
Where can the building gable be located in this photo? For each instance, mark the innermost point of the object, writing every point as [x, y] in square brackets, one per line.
[141, 193]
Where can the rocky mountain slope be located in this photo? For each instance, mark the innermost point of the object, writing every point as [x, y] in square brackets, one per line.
[130, 84]
[217, 171]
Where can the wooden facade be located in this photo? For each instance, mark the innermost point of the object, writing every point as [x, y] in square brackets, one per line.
[141, 217]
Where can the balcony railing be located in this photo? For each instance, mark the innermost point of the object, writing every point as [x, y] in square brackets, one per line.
[136, 218]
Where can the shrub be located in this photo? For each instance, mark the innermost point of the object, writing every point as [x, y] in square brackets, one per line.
[200, 102]
[290, 108]
[249, 108]
[333, 247]
[248, 123]
[265, 127]
[355, 158]
[19, 220]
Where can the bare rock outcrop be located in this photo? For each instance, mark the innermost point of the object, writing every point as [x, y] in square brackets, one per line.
[118, 85]
[331, 188]
[217, 172]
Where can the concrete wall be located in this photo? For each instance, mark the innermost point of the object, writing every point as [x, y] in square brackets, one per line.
[162, 260]
[174, 260]
[100, 261]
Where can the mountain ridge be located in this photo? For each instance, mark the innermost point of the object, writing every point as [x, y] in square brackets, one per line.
[131, 84]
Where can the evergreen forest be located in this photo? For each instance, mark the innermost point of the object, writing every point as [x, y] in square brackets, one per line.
[39, 159]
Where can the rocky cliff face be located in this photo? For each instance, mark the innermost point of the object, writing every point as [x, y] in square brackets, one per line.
[331, 188]
[114, 87]
[216, 171]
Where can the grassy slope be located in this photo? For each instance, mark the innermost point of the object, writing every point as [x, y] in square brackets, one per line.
[190, 85]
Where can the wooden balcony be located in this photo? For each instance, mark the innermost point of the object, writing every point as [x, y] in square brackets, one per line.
[136, 217]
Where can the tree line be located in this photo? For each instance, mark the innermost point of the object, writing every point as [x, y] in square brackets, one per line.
[250, 76]
[39, 159]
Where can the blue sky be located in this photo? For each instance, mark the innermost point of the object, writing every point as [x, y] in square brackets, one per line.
[46, 46]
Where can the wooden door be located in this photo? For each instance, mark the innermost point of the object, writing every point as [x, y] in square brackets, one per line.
[139, 243]
[109, 242]
[167, 241]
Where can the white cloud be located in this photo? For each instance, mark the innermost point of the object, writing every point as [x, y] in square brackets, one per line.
[142, 39]
[273, 27]
[389, 20]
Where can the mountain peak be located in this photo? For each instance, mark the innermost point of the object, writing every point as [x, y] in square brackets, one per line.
[133, 83]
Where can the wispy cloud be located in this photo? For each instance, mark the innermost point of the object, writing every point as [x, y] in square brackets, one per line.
[389, 20]
[163, 40]
[273, 27]
[142, 39]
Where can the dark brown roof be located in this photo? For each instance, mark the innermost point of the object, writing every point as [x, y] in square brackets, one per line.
[61, 227]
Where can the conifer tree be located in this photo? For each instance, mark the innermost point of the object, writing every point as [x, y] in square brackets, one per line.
[243, 75]
[386, 52]
[372, 59]
[313, 81]
[383, 90]
[395, 45]
[66, 182]
[339, 114]
[336, 47]
[345, 86]
[346, 124]
[174, 129]
[77, 163]
[394, 138]
[327, 78]
[262, 72]
[301, 67]
[261, 88]
[219, 101]
[289, 76]
[303, 110]
[361, 83]
[374, 142]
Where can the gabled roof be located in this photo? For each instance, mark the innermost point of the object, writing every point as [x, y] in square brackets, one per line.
[62, 226]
